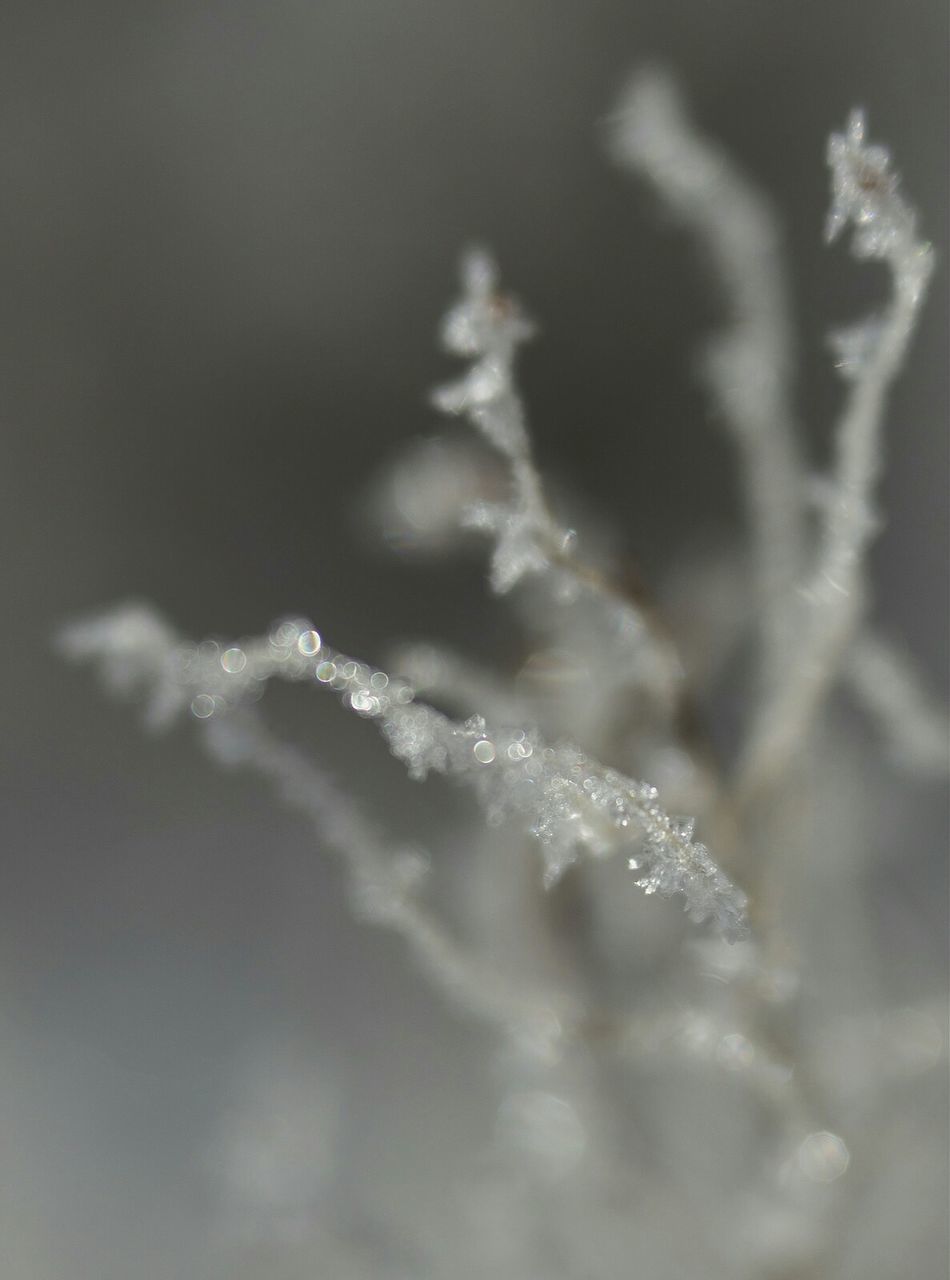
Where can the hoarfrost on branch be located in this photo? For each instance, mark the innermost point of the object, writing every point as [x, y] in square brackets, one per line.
[562, 766]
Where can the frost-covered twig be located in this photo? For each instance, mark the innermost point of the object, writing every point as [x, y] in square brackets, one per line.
[568, 801]
[748, 366]
[488, 327]
[914, 725]
[684, 1034]
[442, 676]
[138, 653]
[865, 195]
[586, 991]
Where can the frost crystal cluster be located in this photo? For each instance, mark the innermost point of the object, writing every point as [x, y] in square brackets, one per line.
[592, 780]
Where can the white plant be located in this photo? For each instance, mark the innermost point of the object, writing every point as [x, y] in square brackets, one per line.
[600, 770]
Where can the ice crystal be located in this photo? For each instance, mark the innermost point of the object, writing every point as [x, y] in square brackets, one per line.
[567, 800]
[866, 195]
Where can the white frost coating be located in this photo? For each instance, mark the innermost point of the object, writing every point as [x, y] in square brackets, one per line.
[440, 675]
[568, 801]
[913, 724]
[748, 366]
[865, 196]
[488, 327]
[572, 804]
[139, 654]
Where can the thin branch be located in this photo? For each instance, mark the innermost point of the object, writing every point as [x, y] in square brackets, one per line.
[137, 652]
[488, 327]
[748, 366]
[441, 675]
[568, 801]
[707, 1038]
[914, 725]
[865, 195]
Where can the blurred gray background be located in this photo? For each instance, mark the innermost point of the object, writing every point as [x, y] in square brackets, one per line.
[227, 232]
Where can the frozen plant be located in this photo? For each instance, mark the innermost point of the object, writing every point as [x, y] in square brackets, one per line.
[673, 1102]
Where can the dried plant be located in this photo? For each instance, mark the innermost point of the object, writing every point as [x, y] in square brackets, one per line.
[598, 1166]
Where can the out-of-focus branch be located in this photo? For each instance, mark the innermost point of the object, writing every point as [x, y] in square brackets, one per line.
[914, 725]
[748, 365]
[865, 195]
